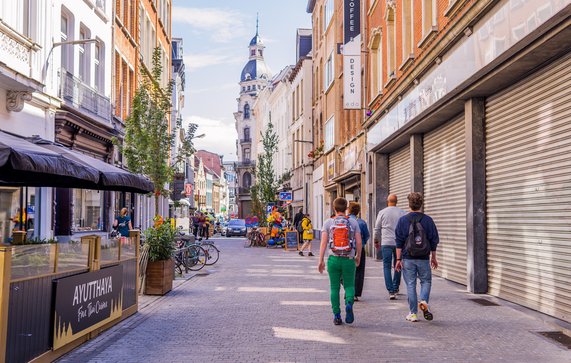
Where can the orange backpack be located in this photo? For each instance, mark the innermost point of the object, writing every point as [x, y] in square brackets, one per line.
[341, 236]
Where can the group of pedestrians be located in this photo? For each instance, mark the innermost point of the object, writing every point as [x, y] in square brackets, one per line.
[406, 242]
[201, 225]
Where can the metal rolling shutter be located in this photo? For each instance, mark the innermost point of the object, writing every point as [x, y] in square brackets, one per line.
[399, 175]
[528, 175]
[445, 196]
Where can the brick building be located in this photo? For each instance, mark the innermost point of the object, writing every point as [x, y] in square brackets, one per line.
[464, 102]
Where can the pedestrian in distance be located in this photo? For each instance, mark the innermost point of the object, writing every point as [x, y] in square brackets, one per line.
[195, 224]
[297, 219]
[417, 239]
[353, 211]
[123, 223]
[385, 242]
[341, 241]
[307, 235]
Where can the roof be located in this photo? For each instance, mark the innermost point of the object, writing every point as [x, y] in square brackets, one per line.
[310, 6]
[304, 42]
[255, 69]
[211, 161]
[256, 40]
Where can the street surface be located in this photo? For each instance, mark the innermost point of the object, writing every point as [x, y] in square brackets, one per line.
[268, 305]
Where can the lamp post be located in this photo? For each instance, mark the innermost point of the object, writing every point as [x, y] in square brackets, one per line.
[58, 44]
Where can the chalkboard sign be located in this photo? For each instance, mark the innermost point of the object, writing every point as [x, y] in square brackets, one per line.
[291, 241]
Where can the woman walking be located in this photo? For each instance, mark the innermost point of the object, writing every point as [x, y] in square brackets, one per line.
[307, 235]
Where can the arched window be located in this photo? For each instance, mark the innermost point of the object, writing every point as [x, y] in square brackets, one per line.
[376, 63]
[246, 180]
[407, 30]
[247, 109]
[247, 154]
[246, 133]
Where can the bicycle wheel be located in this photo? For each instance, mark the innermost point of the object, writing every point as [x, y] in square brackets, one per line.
[212, 253]
[196, 259]
[248, 241]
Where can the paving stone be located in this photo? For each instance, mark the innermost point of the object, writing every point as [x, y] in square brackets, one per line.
[268, 305]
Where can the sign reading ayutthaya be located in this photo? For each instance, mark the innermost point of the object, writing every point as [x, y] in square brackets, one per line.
[86, 302]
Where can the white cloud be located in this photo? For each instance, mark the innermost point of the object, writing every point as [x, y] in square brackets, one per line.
[220, 135]
[219, 25]
[203, 60]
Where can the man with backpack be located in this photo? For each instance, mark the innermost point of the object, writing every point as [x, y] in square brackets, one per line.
[416, 240]
[297, 223]
[341, 241]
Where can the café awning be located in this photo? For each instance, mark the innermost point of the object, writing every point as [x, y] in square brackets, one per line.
[110, 176]
[42, 163]
[23, 163]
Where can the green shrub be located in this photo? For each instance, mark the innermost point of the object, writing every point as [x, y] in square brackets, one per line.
[161, 242]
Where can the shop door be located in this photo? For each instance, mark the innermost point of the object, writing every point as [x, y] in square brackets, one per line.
[399, 176]
[528, 174]
[445, 196]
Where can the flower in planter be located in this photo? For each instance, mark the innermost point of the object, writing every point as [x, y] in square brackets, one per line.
[161, 241]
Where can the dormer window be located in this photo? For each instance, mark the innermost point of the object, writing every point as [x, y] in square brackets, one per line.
[253, 52]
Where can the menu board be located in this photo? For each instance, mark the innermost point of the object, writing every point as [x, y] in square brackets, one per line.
[291, 241]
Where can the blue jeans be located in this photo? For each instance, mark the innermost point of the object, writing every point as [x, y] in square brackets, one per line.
[411, 270]
[389, 254]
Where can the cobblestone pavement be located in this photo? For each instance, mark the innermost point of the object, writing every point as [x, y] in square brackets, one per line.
[268, 305]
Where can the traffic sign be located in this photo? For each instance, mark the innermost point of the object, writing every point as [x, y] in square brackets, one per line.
[286, 196]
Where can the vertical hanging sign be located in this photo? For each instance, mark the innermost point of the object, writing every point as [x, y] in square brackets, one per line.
[352, 55]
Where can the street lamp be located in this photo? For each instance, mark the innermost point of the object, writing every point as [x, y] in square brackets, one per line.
[57, 44]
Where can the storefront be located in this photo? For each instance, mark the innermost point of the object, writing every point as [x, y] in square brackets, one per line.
[488, 145]
[528, 168]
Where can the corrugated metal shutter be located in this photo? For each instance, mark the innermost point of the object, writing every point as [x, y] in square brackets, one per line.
[399, 175]
[445, 196]
[528, 133]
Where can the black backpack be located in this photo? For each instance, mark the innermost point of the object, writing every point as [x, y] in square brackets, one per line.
[417, 244]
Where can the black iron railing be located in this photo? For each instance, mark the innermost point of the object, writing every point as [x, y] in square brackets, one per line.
[83, 97]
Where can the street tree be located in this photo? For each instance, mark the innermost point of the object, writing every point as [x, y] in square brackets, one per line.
[149, 142]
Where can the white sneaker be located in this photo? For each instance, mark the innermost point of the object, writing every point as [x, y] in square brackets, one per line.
[412, 317]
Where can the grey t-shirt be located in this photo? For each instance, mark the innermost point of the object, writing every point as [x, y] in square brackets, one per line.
[385, 225]
[327, 226]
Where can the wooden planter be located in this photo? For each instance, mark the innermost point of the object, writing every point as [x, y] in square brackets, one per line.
[160, 275]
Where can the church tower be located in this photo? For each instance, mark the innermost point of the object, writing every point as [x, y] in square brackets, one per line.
[254, 78]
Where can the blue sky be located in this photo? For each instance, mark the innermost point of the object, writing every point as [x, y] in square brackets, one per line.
[216, 34]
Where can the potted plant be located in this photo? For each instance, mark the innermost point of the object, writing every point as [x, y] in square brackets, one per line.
[160, 268]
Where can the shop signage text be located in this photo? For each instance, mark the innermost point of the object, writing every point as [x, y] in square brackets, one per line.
[352, 55]
[85, 302]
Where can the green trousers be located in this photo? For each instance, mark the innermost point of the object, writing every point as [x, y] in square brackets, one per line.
[341, 267]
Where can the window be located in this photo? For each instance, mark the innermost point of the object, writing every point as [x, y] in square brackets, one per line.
[428, 16]
[330, 133]
[329, 8]
[376, 64]
[16, 216]
[252, 52]
[407, 29]
[83, 56]
[97, 64]
[247, 154]
[391, 43]
[247, 109]
[87, 211]
[246, 133]
[329, 70]
[247, 180]
[64, 36]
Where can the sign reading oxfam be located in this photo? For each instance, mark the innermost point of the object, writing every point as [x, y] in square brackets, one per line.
[352, 55]
[86, 302]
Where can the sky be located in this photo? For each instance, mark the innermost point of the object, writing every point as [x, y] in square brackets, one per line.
[216, 34]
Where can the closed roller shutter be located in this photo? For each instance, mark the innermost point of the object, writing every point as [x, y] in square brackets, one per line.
[445, 196]
[528, 174]
[399, 175]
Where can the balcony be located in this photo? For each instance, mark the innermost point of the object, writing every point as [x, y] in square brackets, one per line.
[243, 191]
[247, 140]
[84, 98]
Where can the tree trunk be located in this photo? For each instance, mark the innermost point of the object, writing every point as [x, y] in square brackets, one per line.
[157, 203]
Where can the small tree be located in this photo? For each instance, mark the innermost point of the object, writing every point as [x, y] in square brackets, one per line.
[149, 137]
[267, 183]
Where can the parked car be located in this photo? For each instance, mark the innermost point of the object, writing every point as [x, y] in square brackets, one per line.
[236, 227]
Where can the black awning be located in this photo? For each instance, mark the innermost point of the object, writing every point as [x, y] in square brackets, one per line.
[110, 177]
[23, 163]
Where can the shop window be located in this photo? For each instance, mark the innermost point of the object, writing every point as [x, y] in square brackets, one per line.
[87, 210]
[18, 208]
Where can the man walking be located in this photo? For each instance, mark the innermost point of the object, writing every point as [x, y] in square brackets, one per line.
[417, 239]
[341, 240]
[297, 219]
[385, 242]
[354, 210]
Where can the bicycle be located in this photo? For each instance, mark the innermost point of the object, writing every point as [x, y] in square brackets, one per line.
[255, 238]
[211, 252]
[190, 256]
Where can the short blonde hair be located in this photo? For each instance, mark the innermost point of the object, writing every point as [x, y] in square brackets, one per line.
[124, 212]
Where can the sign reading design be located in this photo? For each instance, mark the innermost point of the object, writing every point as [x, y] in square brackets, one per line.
[352, 55]
[86, 302]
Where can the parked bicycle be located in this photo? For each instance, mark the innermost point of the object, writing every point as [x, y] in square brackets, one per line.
[255, 238]
[211, 252]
